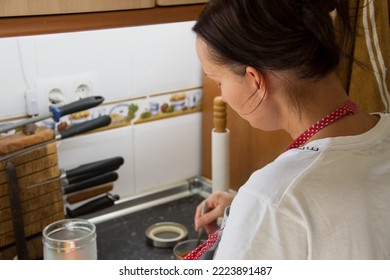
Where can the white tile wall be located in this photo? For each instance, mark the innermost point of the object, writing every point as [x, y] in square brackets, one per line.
[12, 82]
[124, 63]
[158, 71]
[83, 149]
[167, 151]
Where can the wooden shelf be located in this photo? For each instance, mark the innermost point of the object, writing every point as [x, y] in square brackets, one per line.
[46, 24]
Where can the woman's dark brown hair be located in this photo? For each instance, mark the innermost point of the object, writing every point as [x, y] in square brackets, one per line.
[274, 34]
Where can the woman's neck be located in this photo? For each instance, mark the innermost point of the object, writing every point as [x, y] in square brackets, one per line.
[317, 100]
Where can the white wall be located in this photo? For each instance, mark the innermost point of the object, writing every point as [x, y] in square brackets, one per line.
[118, 64]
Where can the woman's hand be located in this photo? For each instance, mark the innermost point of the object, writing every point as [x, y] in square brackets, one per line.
[216, 204]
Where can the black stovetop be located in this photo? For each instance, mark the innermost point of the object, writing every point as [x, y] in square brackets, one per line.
[123, 238]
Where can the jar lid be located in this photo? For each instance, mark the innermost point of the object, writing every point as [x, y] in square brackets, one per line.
[165, 234]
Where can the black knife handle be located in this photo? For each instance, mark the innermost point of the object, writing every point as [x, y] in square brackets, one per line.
[92, 206]
[77, 106]
[91, 182]
[99, 167]
[82, 177]
[85, 126]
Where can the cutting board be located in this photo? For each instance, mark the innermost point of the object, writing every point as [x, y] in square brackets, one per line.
[19, 140]
[36, 201]
[39, 205]
[34, 221]
[34, 241]
[28, 168]
[34, 166]
[178, 2]
[34, 248]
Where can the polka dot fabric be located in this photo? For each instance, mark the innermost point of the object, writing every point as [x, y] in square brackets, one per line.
[197, 253]
[348, 108]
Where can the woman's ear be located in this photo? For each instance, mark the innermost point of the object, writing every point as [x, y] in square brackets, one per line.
[256, 77]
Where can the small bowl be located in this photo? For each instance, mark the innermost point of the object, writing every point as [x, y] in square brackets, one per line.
[183, 248]
[178, 105]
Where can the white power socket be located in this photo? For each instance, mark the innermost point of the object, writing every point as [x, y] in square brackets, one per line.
[81, 86]
[64, 89]
[51, 91]
[84, 90]
[57, 96]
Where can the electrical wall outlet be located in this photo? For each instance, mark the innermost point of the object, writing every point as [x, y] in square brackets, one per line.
[51, 91]
[63, 90]
[84, 90]
[82, 86]
[57, 96]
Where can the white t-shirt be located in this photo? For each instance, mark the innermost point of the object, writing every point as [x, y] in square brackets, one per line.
[327, 200]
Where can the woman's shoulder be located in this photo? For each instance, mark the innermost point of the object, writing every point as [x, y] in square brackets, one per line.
[275, 179]
[279, 177]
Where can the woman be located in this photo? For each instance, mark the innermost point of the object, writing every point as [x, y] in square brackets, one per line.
[327, 196]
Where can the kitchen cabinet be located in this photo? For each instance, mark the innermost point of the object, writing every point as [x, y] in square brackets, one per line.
[250, 148]
[178, 2]
[12, 26]
[45, 7]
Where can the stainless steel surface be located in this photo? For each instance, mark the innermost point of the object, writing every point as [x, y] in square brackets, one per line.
[141, 202]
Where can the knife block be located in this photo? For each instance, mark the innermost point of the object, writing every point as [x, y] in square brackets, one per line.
[24, 210]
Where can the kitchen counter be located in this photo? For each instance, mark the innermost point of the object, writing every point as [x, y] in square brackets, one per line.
[123, 238]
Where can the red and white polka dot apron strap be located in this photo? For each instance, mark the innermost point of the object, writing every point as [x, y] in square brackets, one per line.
[348, 108]
[197, 253]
